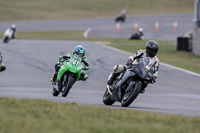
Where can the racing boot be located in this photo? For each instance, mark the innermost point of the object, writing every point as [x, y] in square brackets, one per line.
[112, 78]
[53, 78]
[110, 81]
[57, 67]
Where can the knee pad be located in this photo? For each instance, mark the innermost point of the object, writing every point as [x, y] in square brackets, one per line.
[119, 68]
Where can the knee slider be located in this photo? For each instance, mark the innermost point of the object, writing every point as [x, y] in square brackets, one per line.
[85, 77]
[115, 68]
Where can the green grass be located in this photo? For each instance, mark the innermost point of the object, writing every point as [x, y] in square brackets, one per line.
[12, 10]
[31, 116]
[51, 35]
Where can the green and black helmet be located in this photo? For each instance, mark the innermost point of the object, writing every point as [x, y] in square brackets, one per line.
[80, 51]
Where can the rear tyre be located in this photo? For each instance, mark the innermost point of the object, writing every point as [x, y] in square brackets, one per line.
[67, 86]
[107, 98]
[130, 96]
[55, 92]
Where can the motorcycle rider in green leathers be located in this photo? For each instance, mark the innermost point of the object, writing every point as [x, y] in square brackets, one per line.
[2, 66]
[80, 51]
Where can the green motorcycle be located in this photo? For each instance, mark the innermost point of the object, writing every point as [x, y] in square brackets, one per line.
[68, 74]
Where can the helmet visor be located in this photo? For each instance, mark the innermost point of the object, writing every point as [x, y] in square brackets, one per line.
[80, 54]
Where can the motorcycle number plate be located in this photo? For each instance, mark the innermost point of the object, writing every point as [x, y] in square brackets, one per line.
[75, 63]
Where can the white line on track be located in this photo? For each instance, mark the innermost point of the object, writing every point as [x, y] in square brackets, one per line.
[85, 34]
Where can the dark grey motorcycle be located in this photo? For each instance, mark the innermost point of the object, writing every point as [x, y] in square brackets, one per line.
[129, 84]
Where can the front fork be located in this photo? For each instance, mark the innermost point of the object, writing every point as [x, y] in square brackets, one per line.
[109, 88]
[61, 84]
[123, 78]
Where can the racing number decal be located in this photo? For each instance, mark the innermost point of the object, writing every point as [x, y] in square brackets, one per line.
[75, 63]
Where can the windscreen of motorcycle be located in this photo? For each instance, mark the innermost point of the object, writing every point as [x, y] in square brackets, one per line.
[76, 57]
[144, 68]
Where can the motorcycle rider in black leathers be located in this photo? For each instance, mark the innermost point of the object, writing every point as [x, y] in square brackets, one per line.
[151, 51]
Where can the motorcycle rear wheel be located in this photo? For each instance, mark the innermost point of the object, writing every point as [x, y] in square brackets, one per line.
[107, 98]
[130, 96]
[68, 85]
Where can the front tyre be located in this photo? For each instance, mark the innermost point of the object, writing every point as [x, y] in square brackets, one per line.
[107, 98]
[67, 86]
[131, 95]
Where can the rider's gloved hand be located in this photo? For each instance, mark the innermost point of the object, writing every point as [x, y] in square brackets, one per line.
[61, 59]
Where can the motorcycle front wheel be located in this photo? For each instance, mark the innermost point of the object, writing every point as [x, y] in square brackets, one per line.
[107, 98]
[131, 95]
[68, 84]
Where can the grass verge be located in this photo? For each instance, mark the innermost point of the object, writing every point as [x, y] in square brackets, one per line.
[30, 116]
[12, 10]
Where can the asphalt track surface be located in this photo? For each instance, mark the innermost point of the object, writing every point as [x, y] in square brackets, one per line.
[106, 27]
[30, 66]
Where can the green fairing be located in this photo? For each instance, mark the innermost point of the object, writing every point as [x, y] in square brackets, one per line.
[73, 65]
[74, 54]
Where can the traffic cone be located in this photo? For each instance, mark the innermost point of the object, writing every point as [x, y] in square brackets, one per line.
[157, 25]
[136, 26]
[175, 24]
[117, 26]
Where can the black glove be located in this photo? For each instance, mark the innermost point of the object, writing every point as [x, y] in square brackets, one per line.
[63, 58]
[137, 57]
[129, 62]
[66, 57]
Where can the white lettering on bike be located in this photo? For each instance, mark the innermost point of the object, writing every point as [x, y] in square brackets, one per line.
[80, 67]
[75, 63]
